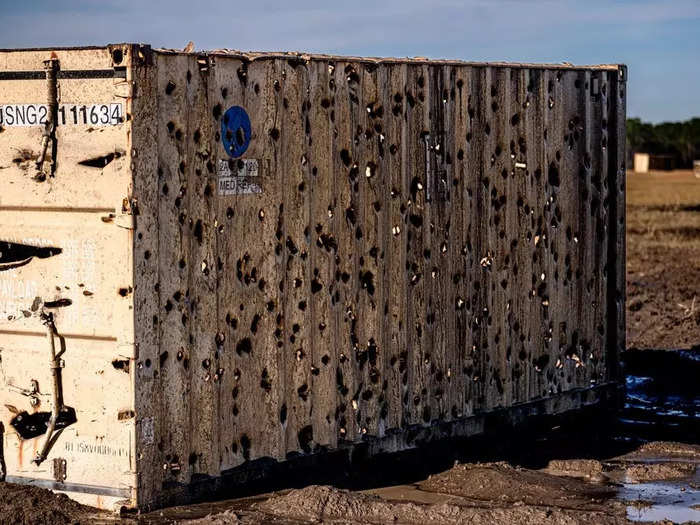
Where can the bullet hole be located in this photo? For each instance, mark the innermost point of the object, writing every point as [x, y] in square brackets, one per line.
[13, 255]
[182, 264]
[121, 364]
[350, 216]
[217, 112]
[265, 381]
[254, 324]
[416, 220]
[198, 231]
[170, 87]
[283, 414]
[370, 170]
[316, 286]
[231, 321]
[302, 305]
[328, 242]
[367, 281]
[245, 446]
[303, 392]
[207, 190]
[553, 175]
[541, 362]
[306, 437]
[416, 186]
[117, 56]
[244, 346]
[291, 247]
[147, 254]
[352, 76]
[123, 292]
[274, 134]
[101, 161]
[345, 157]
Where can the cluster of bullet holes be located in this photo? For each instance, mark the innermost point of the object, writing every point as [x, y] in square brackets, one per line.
[325, 240]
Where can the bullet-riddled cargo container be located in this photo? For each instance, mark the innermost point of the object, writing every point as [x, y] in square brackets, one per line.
[209, 259]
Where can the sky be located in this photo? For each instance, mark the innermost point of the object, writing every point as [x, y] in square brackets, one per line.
[659, 40]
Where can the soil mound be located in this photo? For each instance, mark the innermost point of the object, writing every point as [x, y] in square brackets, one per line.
[329, 505]
[24, 504]
[504, 483]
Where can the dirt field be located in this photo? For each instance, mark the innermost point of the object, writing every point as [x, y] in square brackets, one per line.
[663, 260]
[566, 481]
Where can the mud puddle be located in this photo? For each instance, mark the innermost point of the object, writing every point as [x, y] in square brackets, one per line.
[675, 501]
[662, 396]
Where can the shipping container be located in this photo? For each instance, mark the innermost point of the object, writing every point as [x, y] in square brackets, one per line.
[209, 259]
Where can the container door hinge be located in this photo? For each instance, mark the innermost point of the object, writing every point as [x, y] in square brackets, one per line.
[128, 350]
[60, 469]
[125, 221]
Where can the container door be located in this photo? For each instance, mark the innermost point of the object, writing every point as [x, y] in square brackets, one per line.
[65, 270]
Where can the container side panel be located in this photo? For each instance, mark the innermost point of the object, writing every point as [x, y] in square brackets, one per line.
[616, 265]
[323, 252]
[200, 314]
[146, 192]
[249, 309]
[343, 154]
[177, 364]
[349, 250]
[395, 246]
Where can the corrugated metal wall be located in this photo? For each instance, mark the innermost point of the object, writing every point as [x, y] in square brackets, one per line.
[432, 241]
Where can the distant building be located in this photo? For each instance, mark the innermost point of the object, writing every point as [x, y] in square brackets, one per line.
[644, 162]
[641, 162]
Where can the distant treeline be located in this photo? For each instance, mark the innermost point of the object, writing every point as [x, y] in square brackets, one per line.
[681, 140]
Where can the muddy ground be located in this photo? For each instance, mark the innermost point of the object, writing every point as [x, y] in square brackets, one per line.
[642, 466]
[569, 491]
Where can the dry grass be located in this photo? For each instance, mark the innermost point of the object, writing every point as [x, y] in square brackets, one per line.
[664, 190]
[663, 260]
[663, 210]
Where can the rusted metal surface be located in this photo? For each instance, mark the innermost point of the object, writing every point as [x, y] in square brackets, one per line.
[299, 253]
